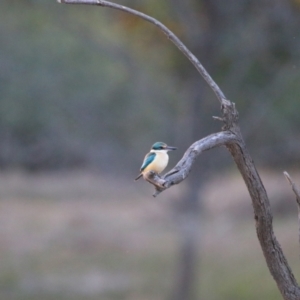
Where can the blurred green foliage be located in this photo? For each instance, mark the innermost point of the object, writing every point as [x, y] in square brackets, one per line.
[90, 87]
[66, 89]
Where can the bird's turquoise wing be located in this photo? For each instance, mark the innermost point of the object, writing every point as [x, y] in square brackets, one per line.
[148, 160]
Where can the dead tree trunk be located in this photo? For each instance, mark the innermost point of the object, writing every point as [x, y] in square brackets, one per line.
[230, 136]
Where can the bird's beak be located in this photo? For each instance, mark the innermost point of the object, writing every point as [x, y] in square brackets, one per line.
[170, 148]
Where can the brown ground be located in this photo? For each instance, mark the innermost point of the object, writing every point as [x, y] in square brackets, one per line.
[83, 236]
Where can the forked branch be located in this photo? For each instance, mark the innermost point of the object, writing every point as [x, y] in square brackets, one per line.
[230, 137]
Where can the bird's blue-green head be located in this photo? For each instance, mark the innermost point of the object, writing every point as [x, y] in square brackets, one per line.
[162, 146]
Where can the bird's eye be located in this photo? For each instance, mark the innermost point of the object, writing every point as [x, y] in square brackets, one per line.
[161, 147]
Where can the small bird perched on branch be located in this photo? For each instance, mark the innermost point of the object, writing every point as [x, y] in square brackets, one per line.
[157, 159]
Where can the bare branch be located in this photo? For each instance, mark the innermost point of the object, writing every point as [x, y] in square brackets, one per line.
[232, 138]
[297, 193]
[218, 118]
[184, 166]
[170, 35]
[294, 187]
[274, 256]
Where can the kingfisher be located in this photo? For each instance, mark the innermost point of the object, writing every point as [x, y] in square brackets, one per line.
[157, 159]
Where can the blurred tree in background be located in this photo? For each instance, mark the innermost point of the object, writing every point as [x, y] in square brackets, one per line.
[78, 84]
[66, 90]
[83, 87]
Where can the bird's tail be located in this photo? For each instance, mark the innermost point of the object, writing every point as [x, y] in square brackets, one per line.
[139, 177]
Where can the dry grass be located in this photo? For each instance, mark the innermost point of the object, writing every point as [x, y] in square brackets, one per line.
[83, 236]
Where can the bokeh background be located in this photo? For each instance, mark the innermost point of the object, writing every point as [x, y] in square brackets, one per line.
[85, 91]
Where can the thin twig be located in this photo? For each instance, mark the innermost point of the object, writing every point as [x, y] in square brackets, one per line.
[297, 193]
[294, 187]
[170, 35]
